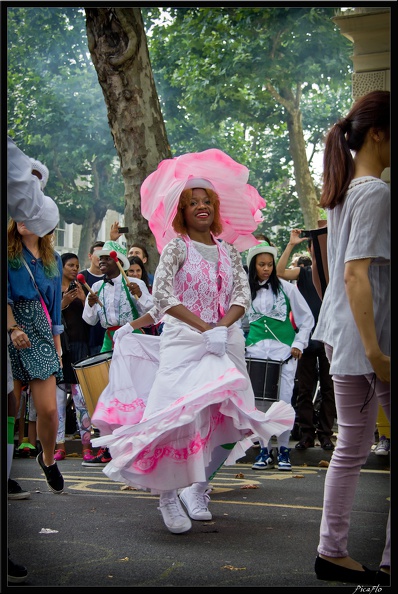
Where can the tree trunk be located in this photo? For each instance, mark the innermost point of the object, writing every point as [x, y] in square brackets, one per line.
[92, 225]
[304, 184]
[89, 231]
[305, 188]
[118, 47]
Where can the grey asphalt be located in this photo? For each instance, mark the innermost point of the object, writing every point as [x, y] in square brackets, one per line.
[264, 530]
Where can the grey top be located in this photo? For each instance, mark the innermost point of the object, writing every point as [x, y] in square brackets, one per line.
[358, 228]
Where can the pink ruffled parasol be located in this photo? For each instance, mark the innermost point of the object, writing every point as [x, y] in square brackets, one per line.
[240, 203]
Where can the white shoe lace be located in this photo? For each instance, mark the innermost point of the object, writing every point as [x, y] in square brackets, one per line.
[173, 508]
[201, 499]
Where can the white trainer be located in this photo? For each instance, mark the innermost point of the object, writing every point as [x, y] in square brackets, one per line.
[383, 447]
[196, 502]
[174, 516]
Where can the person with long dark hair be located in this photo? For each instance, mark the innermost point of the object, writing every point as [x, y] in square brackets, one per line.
[75, 347]
[137, 270]
[354, 320]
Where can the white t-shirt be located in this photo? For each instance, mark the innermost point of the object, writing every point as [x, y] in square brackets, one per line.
[358, 228]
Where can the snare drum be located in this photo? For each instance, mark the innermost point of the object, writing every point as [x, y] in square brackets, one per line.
[93, 376]
[265, 377]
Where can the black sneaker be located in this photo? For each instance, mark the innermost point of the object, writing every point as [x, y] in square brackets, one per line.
[327, 444]
[305, 442]
[101, 459]
[15, 491]
[16, 573]
[53, 476]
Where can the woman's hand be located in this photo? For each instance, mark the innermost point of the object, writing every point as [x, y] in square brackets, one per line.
[382, 367]
[135, 290]
[80, 292]
[68, 297]
[20, 340]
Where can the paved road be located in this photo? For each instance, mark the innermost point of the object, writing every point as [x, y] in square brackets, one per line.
[264, 530]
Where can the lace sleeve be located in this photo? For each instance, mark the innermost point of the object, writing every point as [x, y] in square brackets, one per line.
[241, 289]
[172, 258]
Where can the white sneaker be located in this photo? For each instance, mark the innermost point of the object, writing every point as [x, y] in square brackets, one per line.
[383, 447]
[196, 503]
[174, 516]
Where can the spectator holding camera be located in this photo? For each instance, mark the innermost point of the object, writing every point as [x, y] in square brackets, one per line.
[75, 346]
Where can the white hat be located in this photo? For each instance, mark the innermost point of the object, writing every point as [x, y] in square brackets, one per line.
[198, 182]
[262, 248]
[113, 246]
[42, 169]
[46, 219]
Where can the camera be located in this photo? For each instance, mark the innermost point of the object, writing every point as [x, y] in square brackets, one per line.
[123, 230]
[306, 234]
[72, 286]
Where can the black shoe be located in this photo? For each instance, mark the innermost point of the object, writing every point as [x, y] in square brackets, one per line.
[16, 573]
[326, 570]
[15, 491]
[305, 442]
[382, 578]
[53, 476]
[327, 444]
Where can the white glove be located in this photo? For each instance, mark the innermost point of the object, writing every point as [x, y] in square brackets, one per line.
[120, 332]
[216, 340]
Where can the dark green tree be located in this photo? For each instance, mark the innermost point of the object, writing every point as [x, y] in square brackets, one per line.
[261, 83]
[56, 113]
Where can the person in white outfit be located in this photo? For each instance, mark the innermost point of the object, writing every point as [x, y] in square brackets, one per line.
[272, 335]
[190, 384]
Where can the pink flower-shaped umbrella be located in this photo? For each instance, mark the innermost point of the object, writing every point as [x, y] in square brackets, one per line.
[240, 203]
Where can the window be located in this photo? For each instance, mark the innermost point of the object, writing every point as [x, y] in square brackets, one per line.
[59, 234]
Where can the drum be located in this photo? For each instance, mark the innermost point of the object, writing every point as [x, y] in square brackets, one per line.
[93, 376]
[265, 377]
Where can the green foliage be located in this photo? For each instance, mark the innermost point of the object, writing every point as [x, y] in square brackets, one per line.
[214, 69]
[217, 70]
[56, 110]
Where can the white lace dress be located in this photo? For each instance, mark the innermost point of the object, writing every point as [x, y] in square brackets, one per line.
[170, 402]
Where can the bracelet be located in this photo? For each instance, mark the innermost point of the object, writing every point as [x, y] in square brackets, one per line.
[14, 327]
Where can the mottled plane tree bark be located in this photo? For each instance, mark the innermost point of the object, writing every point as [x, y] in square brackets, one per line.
[118, 47]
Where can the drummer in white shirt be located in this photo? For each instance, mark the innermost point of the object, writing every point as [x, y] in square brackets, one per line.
[121, 302]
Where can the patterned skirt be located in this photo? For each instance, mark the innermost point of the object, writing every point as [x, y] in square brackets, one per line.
[40, 360]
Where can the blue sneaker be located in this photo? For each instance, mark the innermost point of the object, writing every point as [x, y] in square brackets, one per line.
[264, 460]
[284, 459]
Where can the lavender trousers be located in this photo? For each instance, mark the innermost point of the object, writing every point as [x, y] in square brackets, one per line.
[357, 399]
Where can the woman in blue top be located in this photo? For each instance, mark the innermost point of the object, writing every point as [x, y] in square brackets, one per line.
[34, 321]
